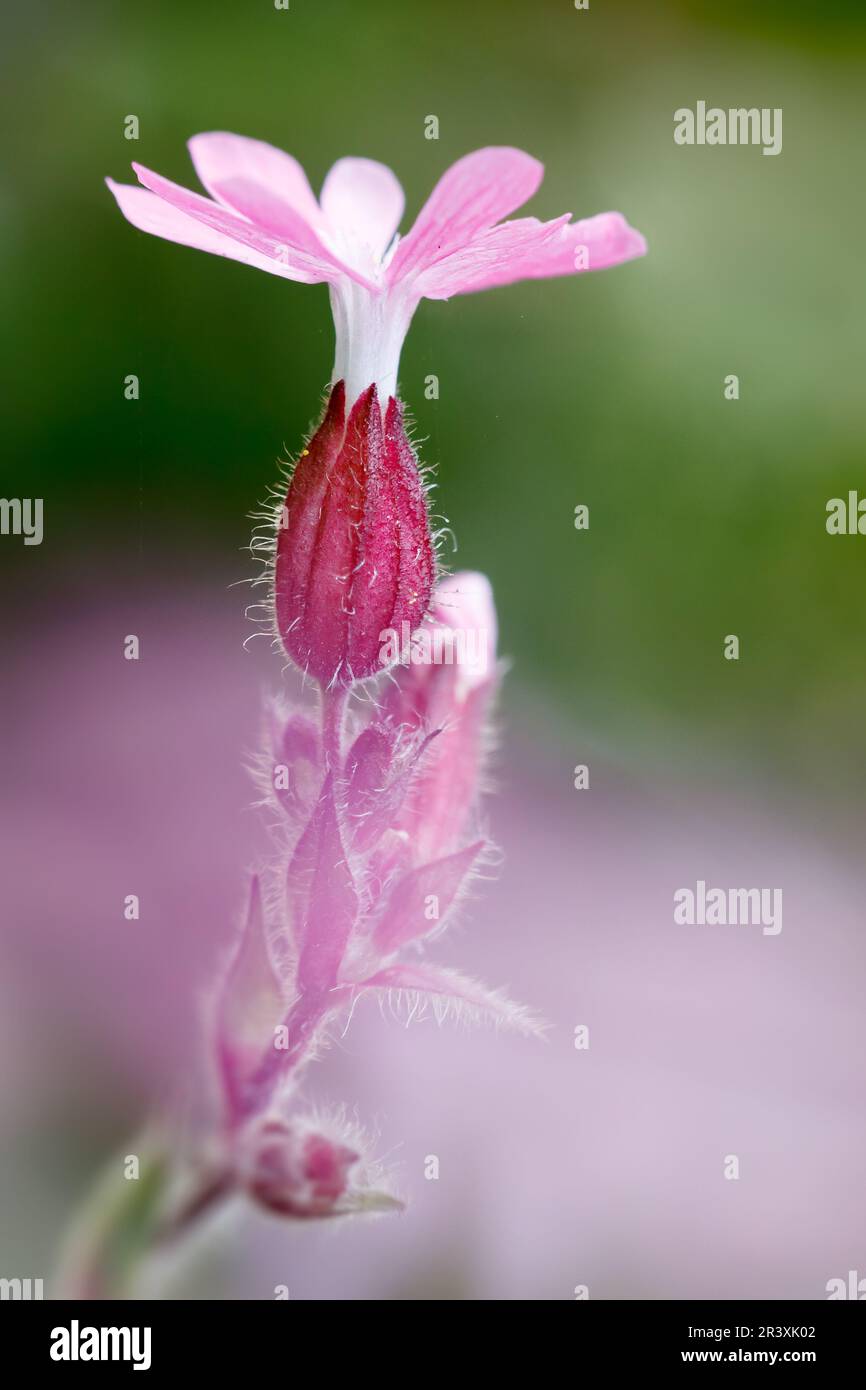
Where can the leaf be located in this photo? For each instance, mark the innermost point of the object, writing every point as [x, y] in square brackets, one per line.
[250, 1003]
[404, 916]
[321, 897]
[411, 989]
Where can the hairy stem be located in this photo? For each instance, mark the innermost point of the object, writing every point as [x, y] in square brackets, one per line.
[335, 700]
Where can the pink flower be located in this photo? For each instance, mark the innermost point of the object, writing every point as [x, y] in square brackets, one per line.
[263, 212]
[379, 840]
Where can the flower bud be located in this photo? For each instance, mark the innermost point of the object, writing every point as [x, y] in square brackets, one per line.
[451, 656]
[449, 685]
[355, 556]
[291, 1169]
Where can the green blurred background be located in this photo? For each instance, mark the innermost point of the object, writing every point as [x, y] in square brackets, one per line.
[707, 517]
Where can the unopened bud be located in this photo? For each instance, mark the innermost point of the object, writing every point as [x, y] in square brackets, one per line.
[293, 1170]
[355, 556]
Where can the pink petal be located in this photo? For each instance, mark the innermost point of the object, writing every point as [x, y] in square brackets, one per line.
[363, 201]
[608, 238]
[318, 266]
[452, 995]
[472, 195]
[527, 249]
[151, 214]
[219, 157]
[404, 917]
[263, 184]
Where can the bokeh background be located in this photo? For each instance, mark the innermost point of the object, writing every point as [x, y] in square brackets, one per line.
[558, 1167]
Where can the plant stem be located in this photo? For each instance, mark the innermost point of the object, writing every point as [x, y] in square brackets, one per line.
[218, 1185]
[335, 700]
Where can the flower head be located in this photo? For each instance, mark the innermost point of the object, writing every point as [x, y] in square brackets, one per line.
[378, 835]
[262, 211]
